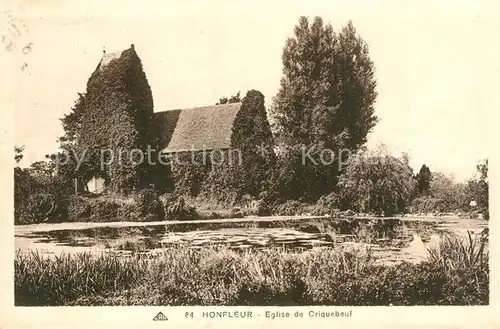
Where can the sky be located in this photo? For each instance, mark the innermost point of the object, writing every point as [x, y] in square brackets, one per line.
[435, 64]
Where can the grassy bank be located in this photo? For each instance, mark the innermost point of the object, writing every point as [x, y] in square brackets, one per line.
[456, 274]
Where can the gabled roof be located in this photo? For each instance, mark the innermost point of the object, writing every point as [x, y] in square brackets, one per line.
[196, 129]
[107, 58]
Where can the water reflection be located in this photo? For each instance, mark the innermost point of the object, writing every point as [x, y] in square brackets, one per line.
[391, 240]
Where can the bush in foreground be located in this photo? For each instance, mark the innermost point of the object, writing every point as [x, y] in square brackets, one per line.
[291, 208]
[107, 208]
[149, 205]
[426, 205]
[376, 182]
[327, 205]
[40, 207]
[180, 210]
[210, 276]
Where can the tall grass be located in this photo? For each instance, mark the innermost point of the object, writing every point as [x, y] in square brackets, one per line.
[221, 276]
[466, 262]
[458, 253]
[52, 281]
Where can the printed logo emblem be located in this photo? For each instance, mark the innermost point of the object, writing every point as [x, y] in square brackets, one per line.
[160, 317]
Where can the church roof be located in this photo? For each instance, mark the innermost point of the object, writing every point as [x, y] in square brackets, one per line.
[196, 129]
[181, 130]
[107, 58]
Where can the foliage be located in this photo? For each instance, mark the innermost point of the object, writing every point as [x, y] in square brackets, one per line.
[445, 188]
[251, 134]
[18, 153]
[67, 158]
[180, 210]
[291, 208]
[458, 253]
[100, 210]
[40, 208]
[327, 205]
[478, 189]
[427, 205]
[149, 205]
[423, 178]
[23, 183]
[236, 212]
[189, 172]
[141, 207]
[118, 117]
[325, 101]
[376, 182]
[226, 176]
[72, 121]
[38, 193]
[229, 100]
[447, 195]
[301, 175]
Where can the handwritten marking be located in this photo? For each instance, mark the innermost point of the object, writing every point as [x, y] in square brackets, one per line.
[13, 34]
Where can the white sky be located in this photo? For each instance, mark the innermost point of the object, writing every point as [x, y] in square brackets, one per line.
[435, 64]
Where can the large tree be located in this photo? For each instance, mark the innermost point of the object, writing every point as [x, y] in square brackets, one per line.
[444, 188]
[423, 178]
[72, 121]
[357, 87]
[66, 159]
[325, 101]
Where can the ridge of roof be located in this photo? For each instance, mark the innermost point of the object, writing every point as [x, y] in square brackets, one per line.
[106, 58]
[202, 107]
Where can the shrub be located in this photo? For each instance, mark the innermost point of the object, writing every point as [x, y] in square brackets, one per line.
[426, 204]
[181, 210]
[148, 205]
[451, 194]
[102, 209]
[376, 182]
[237, 213]
[478, 189]
[40, 207]
[290, 208]
[79, 209]
[38, 194]
[263, 209]
[214, 215]
[250, 212]
[144, 206]
[265, 204]
[327, 205]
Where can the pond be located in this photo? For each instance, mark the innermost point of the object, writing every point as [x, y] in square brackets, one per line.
[391, 239]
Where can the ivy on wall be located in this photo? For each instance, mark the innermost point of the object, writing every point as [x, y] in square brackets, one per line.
[117, 122]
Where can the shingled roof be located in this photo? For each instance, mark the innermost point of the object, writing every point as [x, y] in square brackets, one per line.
[196, 129]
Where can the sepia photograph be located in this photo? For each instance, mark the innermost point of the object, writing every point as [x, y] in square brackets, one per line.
[250, 154]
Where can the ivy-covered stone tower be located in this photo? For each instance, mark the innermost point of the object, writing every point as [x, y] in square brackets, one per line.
[117, 124]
